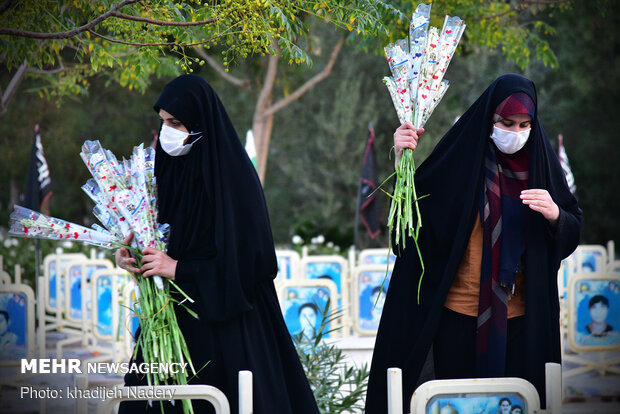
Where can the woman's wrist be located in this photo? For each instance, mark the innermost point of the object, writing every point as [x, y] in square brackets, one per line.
[174, 269]
[554, 220]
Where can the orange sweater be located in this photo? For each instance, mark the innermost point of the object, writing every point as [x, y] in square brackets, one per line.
[465, 289]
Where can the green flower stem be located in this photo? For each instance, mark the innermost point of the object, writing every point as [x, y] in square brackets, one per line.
[401, 216]
[161, 339]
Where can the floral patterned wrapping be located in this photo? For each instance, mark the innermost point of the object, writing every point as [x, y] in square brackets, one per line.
[422, 61]
[124, 194]
[125, 197]
[416, 87]
[27, 223]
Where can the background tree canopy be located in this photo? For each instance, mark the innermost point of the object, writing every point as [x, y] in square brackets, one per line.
[316, 140]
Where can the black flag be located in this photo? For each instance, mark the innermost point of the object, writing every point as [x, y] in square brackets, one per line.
[369, 204]
[39, 184]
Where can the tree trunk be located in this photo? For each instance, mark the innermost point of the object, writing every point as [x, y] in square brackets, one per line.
[262, 125]
[262, 122]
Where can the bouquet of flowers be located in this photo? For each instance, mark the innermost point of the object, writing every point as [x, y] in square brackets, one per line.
[125, 197]
[416, 87]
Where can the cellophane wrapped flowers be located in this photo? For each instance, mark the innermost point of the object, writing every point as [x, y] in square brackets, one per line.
[416, 87]
[125, 195]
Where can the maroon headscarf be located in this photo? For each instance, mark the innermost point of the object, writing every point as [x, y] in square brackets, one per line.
[517, 103]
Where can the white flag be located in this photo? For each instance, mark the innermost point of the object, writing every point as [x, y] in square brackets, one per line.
[249, 146]
[570, 179]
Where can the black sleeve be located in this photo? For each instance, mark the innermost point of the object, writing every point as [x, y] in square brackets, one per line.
[566, 235]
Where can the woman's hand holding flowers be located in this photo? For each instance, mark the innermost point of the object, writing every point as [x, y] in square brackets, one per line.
[157, 263]
[123, 259]
[154, 262]
[405, 136]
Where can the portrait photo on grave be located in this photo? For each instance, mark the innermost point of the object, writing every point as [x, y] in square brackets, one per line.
[52, 271]
[54, 268]
[75, 289]
[302, 307]
[597, 313]
[477, 403]
[103, 291]
[103, 294]
[12, 326]
[371, 289]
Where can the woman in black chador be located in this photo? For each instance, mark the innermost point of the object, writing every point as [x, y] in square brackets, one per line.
[498, 220]
[221, 253]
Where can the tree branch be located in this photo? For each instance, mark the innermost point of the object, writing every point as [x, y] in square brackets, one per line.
[70, 33]
[161, 22]
[16, 80]
[211, 61]
[322, 75]
[47, 72]
[122, 42]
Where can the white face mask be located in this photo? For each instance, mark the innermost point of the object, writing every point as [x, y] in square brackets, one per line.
[509, 142]
[172, 140]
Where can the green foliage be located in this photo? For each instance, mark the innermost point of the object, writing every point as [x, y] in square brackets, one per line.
[337, 386]
[317, 143]
[517, 28]
[140, 39]
[75, 59]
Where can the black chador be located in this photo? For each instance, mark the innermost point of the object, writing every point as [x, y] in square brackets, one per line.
[452, 175]
[221, 236]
